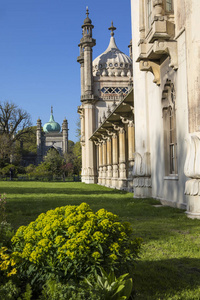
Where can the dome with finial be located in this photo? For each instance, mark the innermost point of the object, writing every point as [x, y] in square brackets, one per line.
[51, 126]
[87, 19]
[112, 62]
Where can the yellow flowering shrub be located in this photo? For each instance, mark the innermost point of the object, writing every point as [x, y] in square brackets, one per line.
[70, 242]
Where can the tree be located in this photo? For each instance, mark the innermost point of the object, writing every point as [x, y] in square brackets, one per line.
[14, 121]
[73, 156]
[78, 129]
[77, 158]
[53, 162]
[14, 126]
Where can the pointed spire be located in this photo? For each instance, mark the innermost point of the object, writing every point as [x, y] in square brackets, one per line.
[112, 29]
[51, 116]
[87, 11]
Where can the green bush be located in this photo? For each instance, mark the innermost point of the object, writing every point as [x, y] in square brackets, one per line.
[69, 243]
[70, 291]
[6, 233]
[108, 286]
[9, 291]
[5, 171]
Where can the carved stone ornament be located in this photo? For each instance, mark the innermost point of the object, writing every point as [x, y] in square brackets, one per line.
[192, 166]
[126, 120]
[169, 48]
[96, 143]
[192, 163]
[110, 133]
[153, 67]
[142, 166]
[158, 7]
[192, 170]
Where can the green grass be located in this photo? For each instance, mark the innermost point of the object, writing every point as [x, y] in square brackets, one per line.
[169, 264]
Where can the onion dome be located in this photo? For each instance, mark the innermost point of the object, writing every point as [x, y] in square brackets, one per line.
[87, 19]
[112, 62]
[51, 126]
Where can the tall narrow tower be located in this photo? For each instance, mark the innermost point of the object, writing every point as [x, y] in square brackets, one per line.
[87, 109]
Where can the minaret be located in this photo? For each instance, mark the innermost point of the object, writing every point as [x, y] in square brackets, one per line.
[85, 59]
[65, 135]
[88, 99]
[39, 141]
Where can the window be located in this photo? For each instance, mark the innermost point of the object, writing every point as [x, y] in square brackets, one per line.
[168, 6]
[169, 125]
[114, 90]
[149, 12]
[172, 142]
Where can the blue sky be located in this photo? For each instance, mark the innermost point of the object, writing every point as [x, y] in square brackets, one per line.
[39, 48]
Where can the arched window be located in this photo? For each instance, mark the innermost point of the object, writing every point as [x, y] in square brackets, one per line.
[169, 125]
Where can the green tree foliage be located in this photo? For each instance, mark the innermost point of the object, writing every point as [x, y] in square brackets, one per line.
[77, 158]
[78, 129]
[53, 162]
[73, 156]
[27, 143]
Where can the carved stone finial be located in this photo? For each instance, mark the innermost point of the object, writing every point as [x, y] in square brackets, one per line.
[104, 117]
[112, 29]
[100, 122]
[87, 11]
[108, 110]
[114, 105]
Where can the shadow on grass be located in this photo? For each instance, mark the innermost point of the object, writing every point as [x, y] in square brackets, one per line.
[164, 278]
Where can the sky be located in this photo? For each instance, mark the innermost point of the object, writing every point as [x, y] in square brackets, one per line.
[39, 49]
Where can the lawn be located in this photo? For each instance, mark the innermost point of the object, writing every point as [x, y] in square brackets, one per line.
[169, 264]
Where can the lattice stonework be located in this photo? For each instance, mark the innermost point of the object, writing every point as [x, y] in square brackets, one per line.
[114, 90]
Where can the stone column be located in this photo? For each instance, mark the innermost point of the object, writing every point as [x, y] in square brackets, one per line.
[122, 159]
[142, 21]
[104, 155]
[90, 171]
[115, 161]
[88, 70]
[109, 162]
[65, 135]
[83, 152]
[100, 146]
[39, 141]
[131, 150]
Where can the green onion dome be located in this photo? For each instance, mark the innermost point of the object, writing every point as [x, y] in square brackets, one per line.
[51, 126]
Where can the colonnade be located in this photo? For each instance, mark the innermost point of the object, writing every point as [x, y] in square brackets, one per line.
[115, 155]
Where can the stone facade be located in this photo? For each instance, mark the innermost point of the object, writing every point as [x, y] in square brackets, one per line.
[48, 140]
[166, 58]
[147, 140]
[106, 113]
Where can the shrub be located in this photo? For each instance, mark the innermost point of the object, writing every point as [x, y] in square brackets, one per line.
[108, 286]
[3, 208]
[70, 291]
[5, 171]
[9, 291]
[6, 233]
[69, 243]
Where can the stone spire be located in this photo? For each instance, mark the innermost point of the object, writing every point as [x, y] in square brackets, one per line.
[85, 59]
[112, 29]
